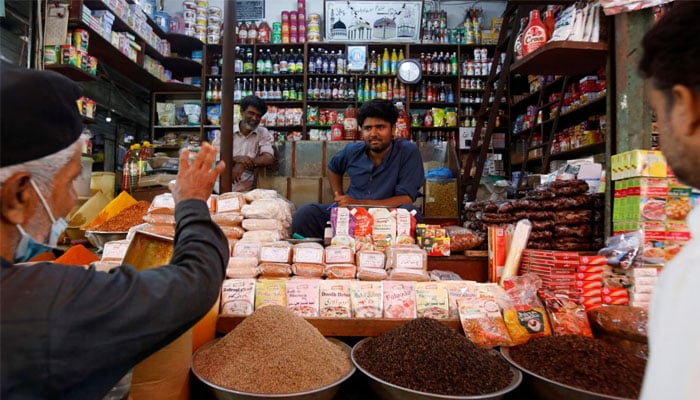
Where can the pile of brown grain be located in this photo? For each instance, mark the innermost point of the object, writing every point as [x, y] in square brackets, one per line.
[273, 351]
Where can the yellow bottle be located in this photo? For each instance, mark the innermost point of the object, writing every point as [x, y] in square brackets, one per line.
[383, 89]
[386, 62]
[394, 62]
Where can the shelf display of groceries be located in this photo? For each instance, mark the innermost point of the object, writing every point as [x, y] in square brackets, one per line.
[650, 206]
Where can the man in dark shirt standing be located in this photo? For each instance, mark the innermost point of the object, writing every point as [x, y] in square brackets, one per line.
[383, 171]
[68, 332]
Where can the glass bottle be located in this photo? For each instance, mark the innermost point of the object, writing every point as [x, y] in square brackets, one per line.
[252, 32]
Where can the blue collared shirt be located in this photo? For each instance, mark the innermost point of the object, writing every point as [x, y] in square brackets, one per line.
[400, 173]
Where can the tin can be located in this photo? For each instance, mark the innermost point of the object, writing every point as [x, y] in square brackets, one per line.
[189, 5]
[276, 37]
[213, 20]
[213, 38]
[202, 3]
[313, 37]
[80, 39]
[189, 15]
[201, 36]
[69, 55]
[201, 21]
[199, 29]
[52, 55]
[83, 61]
[314, 18]
[201, 11]
[214, 11]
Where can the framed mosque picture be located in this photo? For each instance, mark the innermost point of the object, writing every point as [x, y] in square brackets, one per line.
[372, 21]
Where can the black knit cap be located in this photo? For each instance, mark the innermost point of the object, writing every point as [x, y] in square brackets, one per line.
[38, 114]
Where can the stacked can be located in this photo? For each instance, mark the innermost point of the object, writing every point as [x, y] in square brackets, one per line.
[214, 25]
[189, 15]
[200, 28]
[313, 28]
[276, 32]
[285, 26]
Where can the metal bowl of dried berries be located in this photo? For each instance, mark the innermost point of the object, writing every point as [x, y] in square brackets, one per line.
[273, 354]
[577, 368]
[425, 360]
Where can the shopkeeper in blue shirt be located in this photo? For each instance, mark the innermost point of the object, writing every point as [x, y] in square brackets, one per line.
[383, 171]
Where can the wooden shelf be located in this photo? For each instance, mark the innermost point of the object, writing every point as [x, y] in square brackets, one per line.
[338, 326]
[594, 148]
[71, 72]
[563, 58]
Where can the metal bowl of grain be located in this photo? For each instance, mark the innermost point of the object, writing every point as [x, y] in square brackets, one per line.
[99, 238]
[389, 391]
[327, 392]
[547, 389]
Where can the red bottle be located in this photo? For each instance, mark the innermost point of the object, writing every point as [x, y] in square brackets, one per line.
[535, 35]
[549, 23]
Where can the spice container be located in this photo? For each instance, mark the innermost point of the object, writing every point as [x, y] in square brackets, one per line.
[441, 197]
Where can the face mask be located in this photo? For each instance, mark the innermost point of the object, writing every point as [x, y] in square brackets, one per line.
[29, 248]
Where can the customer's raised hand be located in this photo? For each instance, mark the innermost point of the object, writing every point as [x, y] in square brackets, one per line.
[196, 178]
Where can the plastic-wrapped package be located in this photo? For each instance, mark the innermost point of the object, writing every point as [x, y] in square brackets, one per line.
[462, 239]
[432, 300]
[270, 270]
[227, 219]
[525, 316]
[162, 230]
[438, 275]
[399, 299]
[308, 270]
[232, 232]
[243, 262]
[340, 271]
[371, 274]
[409, 274]
[566, 315]
[276, 252]
[406, 257]
[303, 297]
[339, 255]
[162, 204]
[275, 208]
[312, 253]
[230, 202]
[246, 249]
[482, 322]
[257, 194]
[262, 224]
[239, 273]
[160, 219]
[262, 236]
[370, 259]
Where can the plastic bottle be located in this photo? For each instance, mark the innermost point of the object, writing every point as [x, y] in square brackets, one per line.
[340, 63]
[134, 171]
[535, 35]
[402, 123]
[264, 32]
[350, 122]
[386, 62]
[252, 32]
[518, 45]
[394, 62]
[145, 153]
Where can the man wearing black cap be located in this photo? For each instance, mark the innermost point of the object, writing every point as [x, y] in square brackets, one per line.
[68, 332]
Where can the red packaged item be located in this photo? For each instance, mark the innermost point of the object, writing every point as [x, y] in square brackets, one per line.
[567, 316]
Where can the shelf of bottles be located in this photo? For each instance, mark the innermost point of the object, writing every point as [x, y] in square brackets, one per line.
[315, 77]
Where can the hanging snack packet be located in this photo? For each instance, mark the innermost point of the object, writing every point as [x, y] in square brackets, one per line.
[525, 316]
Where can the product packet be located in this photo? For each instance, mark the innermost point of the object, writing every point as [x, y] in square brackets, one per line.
[399, 299]
[482, 322]
[384, 228]
[525, 316]
[269, 291]
[335, 299]
[432, 300]
[237, 296]
[366, 299]
[459, 290]
[303, 297]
